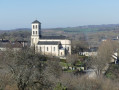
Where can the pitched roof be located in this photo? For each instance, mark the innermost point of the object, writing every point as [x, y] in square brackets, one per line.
[4, 41]
[48, 43]
[52, 37]
[36, 21]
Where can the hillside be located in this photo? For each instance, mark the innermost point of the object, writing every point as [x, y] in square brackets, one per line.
[90, 28]
[87, 28]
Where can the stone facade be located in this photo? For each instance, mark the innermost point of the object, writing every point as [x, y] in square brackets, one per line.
[49, 45]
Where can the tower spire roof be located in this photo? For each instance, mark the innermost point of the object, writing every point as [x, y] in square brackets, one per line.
[36, 21]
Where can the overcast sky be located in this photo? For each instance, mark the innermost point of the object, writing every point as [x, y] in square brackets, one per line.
[57, 13]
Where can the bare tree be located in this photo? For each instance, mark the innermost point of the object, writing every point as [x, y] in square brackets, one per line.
[72, 82]
[79, 46]
[26, 68]
[103, 58]
[72, 59]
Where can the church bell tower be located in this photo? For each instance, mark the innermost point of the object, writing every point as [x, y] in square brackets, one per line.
[36, 32]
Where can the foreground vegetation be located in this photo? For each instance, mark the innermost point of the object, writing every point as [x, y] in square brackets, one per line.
[26, 70]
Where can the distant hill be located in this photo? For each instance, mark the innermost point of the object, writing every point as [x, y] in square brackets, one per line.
[87, 28]
[90, 28]
[15, 30]
[23, 29]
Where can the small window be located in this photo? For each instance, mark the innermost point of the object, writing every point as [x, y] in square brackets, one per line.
[54, 48]
[47, 48]
[36, 32]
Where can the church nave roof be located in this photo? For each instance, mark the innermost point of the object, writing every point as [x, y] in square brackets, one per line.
[53, 37]
[48, 43]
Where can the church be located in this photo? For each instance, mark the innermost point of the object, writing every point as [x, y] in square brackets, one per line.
[58, 46]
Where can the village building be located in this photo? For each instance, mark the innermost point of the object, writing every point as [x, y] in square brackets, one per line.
[91, 51]
[14, 45]
[49, 45]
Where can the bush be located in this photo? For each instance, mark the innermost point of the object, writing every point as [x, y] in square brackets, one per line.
[63, 60]
[113, 72]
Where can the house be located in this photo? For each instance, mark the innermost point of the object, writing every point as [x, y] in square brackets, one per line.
[114, 58]
[15, 45]
[3, 44]
[49, 45]
[92, 51]
[24, 43]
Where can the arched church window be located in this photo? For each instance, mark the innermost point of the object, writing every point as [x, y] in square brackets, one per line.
[68, 48]
[33, 32]
[36, 32]
[61, 53]
[36, 26]
[40, 49]
[47, 48]
[33, 26]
